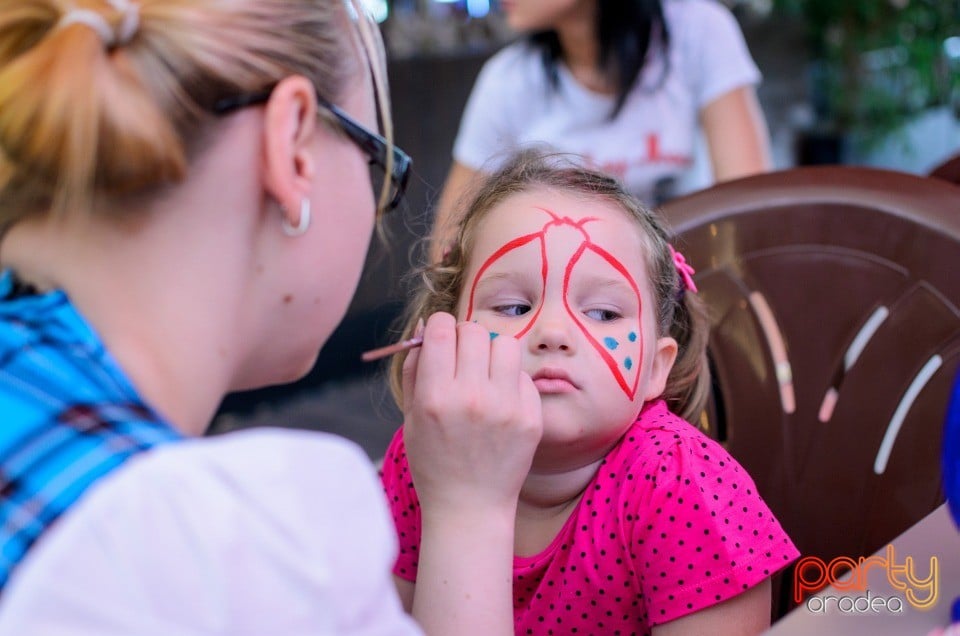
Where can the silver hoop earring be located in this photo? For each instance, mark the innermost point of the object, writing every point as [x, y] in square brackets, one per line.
[303, 224]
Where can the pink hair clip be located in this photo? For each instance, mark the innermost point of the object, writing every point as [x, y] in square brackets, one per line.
[684, 269]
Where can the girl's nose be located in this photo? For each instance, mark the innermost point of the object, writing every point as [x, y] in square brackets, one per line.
[553, 330]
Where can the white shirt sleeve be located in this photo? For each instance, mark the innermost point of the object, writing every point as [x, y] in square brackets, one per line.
[259, 532]
[714, 54]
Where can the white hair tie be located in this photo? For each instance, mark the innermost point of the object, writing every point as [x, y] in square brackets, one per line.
[90, 18]
[110, 37]
[131, 20]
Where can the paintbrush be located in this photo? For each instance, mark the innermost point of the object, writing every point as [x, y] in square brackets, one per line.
[389, 350]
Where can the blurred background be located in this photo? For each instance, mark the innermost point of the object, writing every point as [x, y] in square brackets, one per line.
[866, 82]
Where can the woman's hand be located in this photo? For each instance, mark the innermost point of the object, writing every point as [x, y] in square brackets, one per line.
[472, 418]
[472, 423]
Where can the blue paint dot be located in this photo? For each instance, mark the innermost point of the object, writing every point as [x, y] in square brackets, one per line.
[611, 343]
[493, 334]
[632, 337]
[628, 363]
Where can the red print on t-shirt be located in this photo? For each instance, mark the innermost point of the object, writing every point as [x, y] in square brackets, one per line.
[649, 153]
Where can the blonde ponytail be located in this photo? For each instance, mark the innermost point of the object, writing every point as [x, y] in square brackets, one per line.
[75, 118]
[84, 115]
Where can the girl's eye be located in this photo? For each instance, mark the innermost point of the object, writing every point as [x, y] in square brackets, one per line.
[517, 309]
[603, 315]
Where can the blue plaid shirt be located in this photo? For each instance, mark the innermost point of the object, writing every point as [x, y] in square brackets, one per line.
[68, 415]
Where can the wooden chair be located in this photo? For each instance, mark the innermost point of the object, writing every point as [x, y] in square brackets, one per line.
[834, 295]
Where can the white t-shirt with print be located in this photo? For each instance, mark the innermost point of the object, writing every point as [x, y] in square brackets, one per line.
[652, 139]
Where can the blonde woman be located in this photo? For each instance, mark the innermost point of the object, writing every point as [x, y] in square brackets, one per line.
[186, 203]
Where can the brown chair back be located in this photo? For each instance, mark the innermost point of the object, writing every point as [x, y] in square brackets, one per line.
[834, 295]
[949, 170]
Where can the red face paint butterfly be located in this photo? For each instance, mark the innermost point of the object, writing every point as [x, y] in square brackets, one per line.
[617, 353]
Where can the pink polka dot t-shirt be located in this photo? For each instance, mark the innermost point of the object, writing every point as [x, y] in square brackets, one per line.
[669, 525]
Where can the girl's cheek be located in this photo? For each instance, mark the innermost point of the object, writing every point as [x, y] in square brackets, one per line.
[604, 334]
[493, 324]
[622, 341]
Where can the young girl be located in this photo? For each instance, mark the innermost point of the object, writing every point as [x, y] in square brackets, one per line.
[629, 520]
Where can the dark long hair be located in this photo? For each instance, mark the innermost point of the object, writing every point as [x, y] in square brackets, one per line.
[626, 29]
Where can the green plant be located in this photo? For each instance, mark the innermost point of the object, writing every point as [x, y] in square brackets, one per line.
[877, 62]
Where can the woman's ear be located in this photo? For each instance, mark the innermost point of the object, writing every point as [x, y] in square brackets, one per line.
[290, 127]
[664, 355]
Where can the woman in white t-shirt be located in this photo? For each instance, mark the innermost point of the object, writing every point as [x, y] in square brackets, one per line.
[627, 84]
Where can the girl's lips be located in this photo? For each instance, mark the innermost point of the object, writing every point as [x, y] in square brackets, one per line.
[552, 386]
[553, 381]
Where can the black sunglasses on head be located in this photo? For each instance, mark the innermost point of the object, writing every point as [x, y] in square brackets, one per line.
[372, 144]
